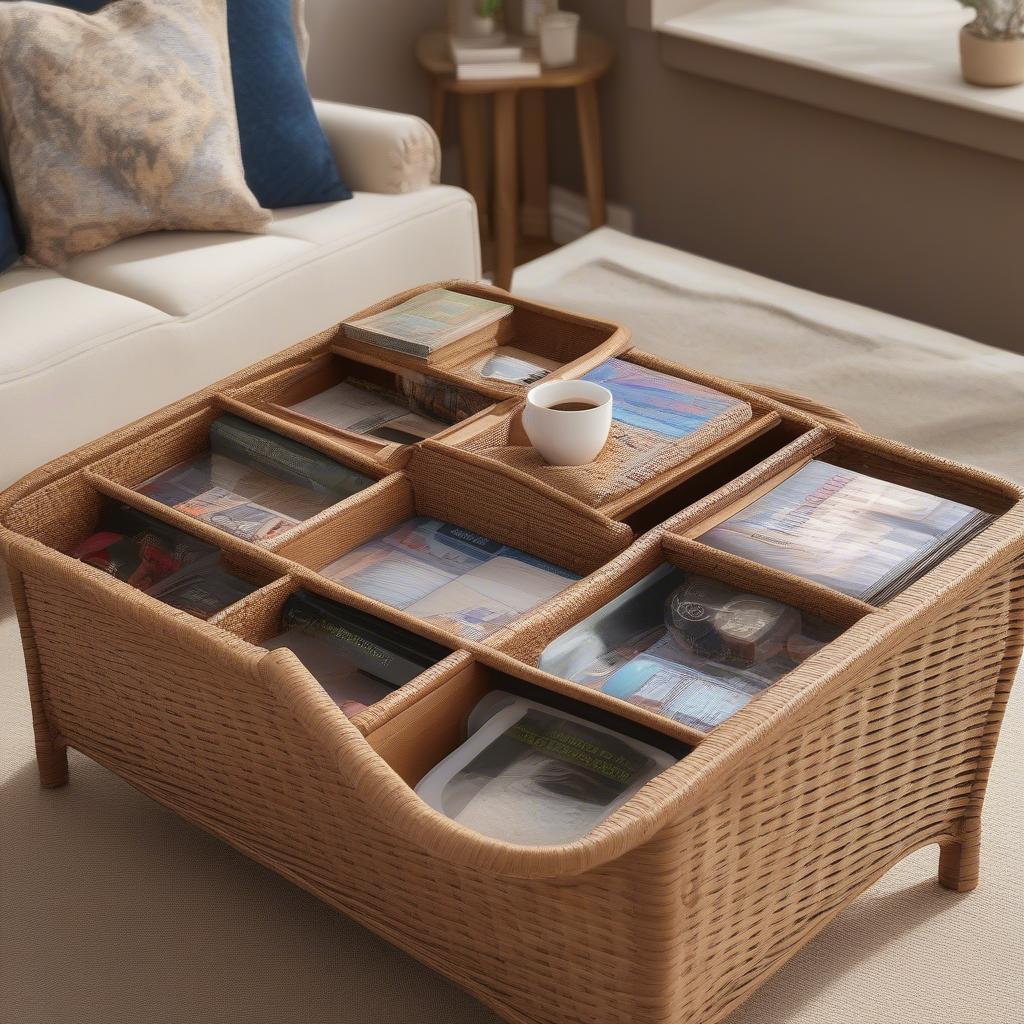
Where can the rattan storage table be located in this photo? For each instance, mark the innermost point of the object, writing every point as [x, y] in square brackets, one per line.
[689, 896]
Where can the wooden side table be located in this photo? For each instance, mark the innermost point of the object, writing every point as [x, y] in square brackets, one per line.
[594, 59]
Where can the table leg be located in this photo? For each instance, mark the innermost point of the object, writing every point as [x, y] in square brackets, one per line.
[590, 147]
[474, 155]
[505, 187]
[533, 163]
[437, 98]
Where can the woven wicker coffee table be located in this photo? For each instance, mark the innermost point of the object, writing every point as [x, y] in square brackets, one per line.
[694, 892]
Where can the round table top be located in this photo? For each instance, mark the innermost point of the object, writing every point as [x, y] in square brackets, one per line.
[593, 58]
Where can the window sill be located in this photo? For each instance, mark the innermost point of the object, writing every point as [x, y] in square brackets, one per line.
[894, 62]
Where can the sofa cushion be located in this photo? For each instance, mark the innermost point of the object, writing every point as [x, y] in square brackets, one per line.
[8, 240]
[286, 155]
[186, 273]
[48, 319]
[120, 122]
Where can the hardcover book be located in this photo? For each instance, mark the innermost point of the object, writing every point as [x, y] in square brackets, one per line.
[854, 533]
[427, 322]
[448, 575]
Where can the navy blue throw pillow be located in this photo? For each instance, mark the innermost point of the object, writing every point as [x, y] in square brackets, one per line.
[287, 159]
[8, 239]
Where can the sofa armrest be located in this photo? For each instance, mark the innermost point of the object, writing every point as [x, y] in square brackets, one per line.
[380, 151]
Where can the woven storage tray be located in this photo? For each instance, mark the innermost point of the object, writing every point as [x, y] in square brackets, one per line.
[635, 466]
[684, 900]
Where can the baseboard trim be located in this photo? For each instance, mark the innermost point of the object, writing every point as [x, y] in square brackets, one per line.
[569, 219]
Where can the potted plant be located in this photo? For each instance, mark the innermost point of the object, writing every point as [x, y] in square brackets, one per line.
[992, 46]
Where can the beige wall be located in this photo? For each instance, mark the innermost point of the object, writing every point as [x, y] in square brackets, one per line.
[904, 223]
[361, 51]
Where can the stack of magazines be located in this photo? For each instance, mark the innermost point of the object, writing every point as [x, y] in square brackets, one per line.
[535, 775]
[357, 658]
[687, 647]
[419, 407]
[427, 322]
[854, 533]
[164, 562]
[449, 576]
[253, 483]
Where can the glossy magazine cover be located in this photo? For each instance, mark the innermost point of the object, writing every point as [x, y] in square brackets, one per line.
[450, 576]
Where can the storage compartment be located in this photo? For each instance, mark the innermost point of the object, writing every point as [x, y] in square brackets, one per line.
[359, 660]
[668, 424]
[367, 403]
[693, 635]
[169, 564]
[237, 475]
[469, 561]
[541, 755]
[550, 342]
[868, 531]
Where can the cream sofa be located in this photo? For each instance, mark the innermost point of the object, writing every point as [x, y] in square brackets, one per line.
[128, 329]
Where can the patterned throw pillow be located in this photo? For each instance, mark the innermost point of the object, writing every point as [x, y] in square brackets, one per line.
[120, 122]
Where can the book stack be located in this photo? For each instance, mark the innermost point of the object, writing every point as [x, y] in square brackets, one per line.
[427, 322]
[493, 57]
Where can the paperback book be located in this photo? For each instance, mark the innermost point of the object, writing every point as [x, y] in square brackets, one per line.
[427, 322]
[536, 775]
[449, 576]
[854, 533]
[356, 657]
[685, 646]
[253, 483]
[166, 563]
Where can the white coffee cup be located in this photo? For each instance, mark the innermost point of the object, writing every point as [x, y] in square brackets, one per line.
[568, 437]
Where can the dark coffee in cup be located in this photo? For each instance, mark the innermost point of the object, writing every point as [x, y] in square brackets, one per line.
[572, 406]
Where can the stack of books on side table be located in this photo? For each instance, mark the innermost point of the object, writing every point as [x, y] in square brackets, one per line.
[494, 57]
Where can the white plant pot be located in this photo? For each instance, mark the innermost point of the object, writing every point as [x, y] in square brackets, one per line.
[991, 62]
